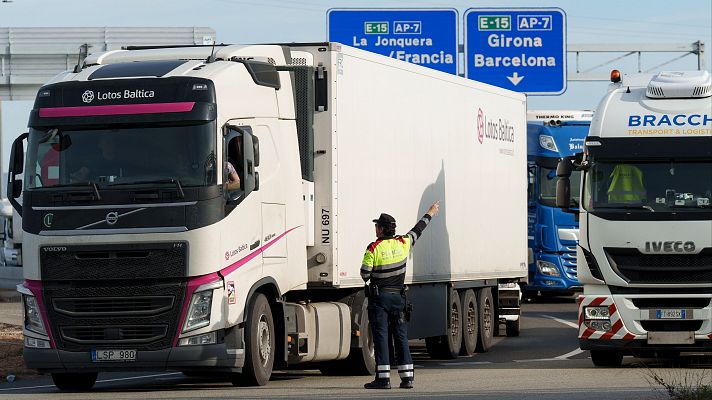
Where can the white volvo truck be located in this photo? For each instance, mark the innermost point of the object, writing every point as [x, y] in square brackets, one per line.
[645, 250]
[138, 255]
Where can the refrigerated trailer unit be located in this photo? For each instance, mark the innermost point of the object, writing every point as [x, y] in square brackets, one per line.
[645, 251]
[137, 256]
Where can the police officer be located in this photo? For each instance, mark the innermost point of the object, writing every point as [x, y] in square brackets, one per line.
[384, 265]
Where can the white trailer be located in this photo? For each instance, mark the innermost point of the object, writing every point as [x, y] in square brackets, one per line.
[268, 275]
[645, 252]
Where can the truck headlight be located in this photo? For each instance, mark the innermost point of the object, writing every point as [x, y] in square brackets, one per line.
[199, 310]
[547, 268]
[33, 318]
[547, 142]
[596, 313]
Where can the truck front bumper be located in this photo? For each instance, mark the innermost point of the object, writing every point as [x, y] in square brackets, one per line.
[183, 358]
[638, 346]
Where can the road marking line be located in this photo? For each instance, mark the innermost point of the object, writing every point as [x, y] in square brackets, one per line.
[101, 381]
[466, 363]
[570, 354]
[563, 357]
[563, 321]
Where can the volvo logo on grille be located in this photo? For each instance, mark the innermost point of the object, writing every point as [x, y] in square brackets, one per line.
[54, 249]
[670, 247]
[112, 217]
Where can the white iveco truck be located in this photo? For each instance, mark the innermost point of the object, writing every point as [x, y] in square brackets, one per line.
[141, 252]
[645, 250]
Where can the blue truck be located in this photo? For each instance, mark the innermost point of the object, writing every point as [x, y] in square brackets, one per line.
[553, 233]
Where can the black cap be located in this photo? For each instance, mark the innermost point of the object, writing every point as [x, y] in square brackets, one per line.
[385, 221]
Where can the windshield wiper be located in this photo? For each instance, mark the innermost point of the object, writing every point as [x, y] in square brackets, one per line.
[151, 181]
[76, 184]
[629, 207]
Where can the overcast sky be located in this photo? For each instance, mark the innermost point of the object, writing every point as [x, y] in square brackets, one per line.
[255, 21]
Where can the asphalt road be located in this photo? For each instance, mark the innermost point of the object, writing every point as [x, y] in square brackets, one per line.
[543, 363]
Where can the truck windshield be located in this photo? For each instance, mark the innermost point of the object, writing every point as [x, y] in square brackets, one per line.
[649, 186]
[184, 154]
[547, 187]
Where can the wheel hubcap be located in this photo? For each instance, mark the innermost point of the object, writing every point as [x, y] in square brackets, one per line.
[264, 340]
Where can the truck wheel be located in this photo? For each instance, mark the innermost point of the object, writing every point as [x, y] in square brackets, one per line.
[469, 323]
[513, 327]
[74, 382]
[448, 346]
[362, 359]
[486, 319]
[259, 344]
[606, 358]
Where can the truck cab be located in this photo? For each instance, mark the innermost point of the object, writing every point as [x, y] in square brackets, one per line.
[645, 254]
[552, 233]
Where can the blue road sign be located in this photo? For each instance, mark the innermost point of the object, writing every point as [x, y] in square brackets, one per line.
[426, 37]
[521, 49]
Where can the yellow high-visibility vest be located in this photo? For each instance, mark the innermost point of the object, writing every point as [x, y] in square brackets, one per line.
[626, 185]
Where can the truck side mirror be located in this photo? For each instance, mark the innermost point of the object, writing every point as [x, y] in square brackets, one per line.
[17, 165]
[248, 163]
[563, 185]
[256, 150]
[563, 192]
[564, 168]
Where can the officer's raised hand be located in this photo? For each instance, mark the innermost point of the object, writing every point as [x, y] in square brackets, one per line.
[434, 209]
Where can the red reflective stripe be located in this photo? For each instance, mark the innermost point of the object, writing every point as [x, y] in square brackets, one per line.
[588, 332]
[611, 309]
[118, 109]
[597, 301]
[580, 318]
[629, 336]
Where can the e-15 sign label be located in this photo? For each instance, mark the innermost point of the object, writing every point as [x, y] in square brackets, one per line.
[494, 23]
[375, 27]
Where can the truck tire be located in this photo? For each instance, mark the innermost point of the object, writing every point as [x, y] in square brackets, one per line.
[362, 359]
[74, 382]
[486, 319]
[606, 358]
[448, 346]
[470, 324]
[259, 344]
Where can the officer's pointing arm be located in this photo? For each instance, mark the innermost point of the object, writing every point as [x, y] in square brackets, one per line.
[423, 222]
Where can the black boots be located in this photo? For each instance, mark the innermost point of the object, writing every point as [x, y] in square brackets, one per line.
[379, 384]
[386, 384]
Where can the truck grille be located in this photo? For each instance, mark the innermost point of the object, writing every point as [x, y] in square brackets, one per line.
[636, 267]
[99, 306]
[112, 334]
[118, 314]
[568, 260]
[119, 261]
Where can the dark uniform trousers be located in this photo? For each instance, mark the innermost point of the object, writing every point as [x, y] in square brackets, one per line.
[388, 308]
